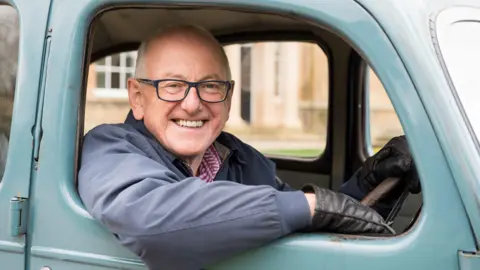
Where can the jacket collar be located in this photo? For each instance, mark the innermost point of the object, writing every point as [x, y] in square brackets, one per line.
[223, 143]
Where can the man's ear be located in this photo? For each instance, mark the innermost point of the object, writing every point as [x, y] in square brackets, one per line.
[135, 98]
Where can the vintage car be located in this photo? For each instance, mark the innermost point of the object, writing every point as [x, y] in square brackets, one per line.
[424, 52]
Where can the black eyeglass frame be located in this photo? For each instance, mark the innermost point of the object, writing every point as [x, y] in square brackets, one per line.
[155, 84]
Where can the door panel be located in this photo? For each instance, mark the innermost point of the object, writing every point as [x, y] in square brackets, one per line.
[458, 49]
[65, 236]
[17, 175]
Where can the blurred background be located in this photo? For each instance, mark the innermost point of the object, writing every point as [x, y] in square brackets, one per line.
[280, 102]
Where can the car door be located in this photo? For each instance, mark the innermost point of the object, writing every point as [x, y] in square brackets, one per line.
[21, 60]
[66, 236]
[422, 246]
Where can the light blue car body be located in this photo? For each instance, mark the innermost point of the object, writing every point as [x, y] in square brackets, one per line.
[397, 40]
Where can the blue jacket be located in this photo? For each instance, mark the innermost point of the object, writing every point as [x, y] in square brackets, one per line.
[149, 199]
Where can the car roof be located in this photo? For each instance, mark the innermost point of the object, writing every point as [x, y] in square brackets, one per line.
[117, 29]
[403, 17]
[399, 8]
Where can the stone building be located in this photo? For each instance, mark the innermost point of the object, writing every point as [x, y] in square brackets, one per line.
[281, 95]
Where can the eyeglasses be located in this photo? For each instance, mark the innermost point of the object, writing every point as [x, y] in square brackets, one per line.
[176, 90]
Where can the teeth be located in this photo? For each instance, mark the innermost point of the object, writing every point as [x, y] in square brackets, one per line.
[191, 124]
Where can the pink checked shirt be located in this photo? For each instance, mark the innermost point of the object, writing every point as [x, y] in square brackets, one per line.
[210, 164]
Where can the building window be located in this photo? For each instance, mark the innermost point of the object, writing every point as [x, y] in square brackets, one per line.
[112, 73]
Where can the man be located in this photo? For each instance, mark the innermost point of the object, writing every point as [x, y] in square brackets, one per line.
[9, 37]
[181, 193]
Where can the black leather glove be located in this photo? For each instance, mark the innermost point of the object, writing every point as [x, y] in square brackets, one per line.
[339, 213]
[393, 160]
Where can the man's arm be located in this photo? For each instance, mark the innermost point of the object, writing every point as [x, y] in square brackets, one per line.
[352, 189]
[179, 223]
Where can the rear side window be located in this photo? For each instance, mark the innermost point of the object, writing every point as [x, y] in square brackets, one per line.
[458, 32]
[9, 36]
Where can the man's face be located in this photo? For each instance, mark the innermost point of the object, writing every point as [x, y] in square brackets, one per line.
[187, 59]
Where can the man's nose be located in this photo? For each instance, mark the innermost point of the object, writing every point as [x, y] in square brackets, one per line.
[192, 102]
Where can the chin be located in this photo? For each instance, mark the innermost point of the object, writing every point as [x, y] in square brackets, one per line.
[188, 150]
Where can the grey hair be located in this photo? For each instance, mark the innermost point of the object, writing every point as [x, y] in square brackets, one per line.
[142, 50]
[9, 42]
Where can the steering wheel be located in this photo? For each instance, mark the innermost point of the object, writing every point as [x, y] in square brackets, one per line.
[381, 191]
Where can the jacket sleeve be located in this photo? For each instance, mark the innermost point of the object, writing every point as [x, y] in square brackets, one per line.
[352, 189]
[174, 223]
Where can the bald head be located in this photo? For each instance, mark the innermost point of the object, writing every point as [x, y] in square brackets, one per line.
[173, 55]
[181, 34]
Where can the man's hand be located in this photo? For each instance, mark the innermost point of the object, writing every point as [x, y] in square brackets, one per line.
[337, 212]
[393, 160]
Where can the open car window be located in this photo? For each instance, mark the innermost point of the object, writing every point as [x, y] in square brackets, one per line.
[381, 120]
[280, 101]
[285, 104]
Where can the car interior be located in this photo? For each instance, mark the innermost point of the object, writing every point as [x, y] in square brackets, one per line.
[121, 29]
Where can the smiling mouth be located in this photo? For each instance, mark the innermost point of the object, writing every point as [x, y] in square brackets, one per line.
[189, 123]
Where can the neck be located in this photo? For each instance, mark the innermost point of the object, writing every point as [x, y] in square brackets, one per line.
[193, 162]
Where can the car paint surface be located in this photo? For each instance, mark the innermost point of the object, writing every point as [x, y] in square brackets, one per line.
[394, 37]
